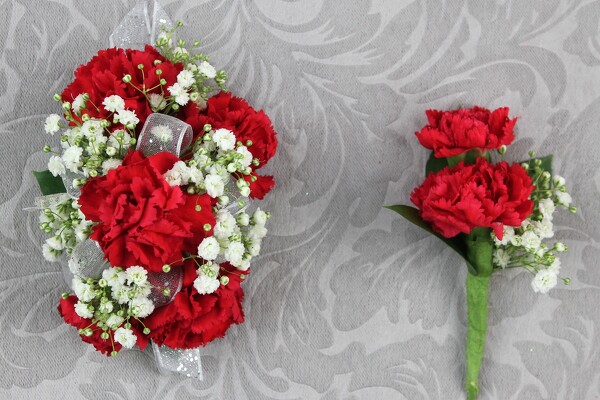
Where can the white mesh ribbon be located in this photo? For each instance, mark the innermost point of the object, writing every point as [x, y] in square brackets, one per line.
[87, 260]
[164, 133]
[141, 26]
[182, 361]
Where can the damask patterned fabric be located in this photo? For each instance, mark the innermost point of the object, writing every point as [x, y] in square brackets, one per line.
[347, 301]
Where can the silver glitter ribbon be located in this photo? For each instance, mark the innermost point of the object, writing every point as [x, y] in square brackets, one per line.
[183, 361]
[169, 361]
[179, 135]
[141, 26]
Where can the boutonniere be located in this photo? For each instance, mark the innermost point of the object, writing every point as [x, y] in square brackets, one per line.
[496, 214]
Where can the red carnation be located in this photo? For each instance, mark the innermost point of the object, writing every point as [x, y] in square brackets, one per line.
[261, 186]
[228, 112]
[451, 133]
[463, 197]
[192, 319]
[103, 75]
[142, 220]
[66, 308]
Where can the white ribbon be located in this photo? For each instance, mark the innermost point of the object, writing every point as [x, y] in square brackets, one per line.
[141, 26]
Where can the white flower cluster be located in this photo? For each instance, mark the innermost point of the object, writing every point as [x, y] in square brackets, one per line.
[236, 239]
[524, 246]
[92, 146]
[217, 160]
[68, 226]
[193, 82]
[110, 302]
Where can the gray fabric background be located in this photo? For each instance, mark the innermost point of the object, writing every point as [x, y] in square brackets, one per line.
[347, 301]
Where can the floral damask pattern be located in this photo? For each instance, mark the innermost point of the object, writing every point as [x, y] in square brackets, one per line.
[346, 301]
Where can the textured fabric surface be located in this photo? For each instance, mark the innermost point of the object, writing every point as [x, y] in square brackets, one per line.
[347, 301]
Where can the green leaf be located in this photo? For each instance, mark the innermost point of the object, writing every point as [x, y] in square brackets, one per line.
[477, 316]
[49, 184]
[457, 243]
[435, 164]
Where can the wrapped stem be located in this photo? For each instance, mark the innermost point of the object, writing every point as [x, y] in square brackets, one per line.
[479, 253]
[477, 311]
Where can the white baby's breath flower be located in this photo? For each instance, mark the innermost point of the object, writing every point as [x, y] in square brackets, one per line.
[56, 166]
[214, 185]
[185, 78]
[243, 219]
[254, 248]
[82, 310]
[49, 253]
[52, 124]
[207, 70]
[127, 118]
[206, 285]
[91, 127]
[209, 248]
[179, 93]
[257, 232]
[558, 181]
[114, 103]
[178, 175]
[72, 158]
[555, 266]
[560, 247]
[106, 308]
[78, 104]
[544, 228]
[162, 132]
[179, 51]
[114, 321]
[225, 224]
[563, 198]
[530, 241]
[501, 258]
[225, 139]
[136, 275]
[55, 242]
[546, 207]
[125, 337]
[119, 139]
[142, 307]
[245, 191]
[157, 102]
[235, 253]
[121, 294]
[259, 217]
[246, 159]
[113, 277]
[111, 163]
[543, 281]
[82, 231]
[195, 176]
[82, 290]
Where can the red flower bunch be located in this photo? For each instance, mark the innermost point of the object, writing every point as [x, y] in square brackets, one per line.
[142, 220]
[463, 197]
[451, 133]
[225, 111]
[103, 75]
[192, 319]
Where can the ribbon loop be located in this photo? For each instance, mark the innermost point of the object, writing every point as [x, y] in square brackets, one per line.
[165, 285]
[140, 26]
[164, 133]
[87, 260]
